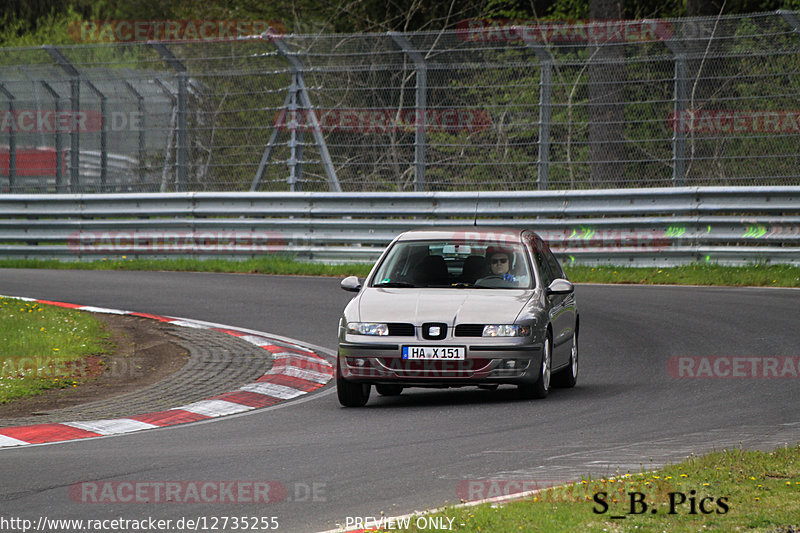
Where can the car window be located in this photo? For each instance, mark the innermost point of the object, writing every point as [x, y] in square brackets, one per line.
[555, 267]
[476, 264]
[544, 267]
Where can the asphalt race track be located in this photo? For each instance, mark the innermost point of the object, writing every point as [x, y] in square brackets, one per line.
[413, 451]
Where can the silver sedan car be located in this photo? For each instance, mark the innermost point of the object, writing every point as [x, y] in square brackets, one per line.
[455, 307]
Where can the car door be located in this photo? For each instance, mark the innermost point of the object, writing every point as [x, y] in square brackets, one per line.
[562, 314]
[551, 303]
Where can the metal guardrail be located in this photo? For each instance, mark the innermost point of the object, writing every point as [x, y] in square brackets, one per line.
[664, 226]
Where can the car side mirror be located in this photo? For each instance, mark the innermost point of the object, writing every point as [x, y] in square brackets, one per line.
[351, 284]
[560, 286]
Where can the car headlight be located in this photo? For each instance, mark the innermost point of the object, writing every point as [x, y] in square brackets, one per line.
[506, 330]
[367, 328]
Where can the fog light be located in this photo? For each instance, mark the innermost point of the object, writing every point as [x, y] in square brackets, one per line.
[361, 362]
[510, 363]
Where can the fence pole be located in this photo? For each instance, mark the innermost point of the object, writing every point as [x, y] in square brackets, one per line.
[297, 143]
[103, 135]
[75, 104]
[172, 133]
[421, 105]
[12, 141]
[678, 109]
[182, 137]
[181, 134]
[142, 127]
[296, 66]
[292, 115]
[273, 137]
[57, 141]
[545, 112]
[791, 18]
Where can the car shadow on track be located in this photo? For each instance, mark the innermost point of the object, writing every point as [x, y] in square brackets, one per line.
[421, 397]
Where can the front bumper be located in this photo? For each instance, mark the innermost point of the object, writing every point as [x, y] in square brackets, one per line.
[484, 364]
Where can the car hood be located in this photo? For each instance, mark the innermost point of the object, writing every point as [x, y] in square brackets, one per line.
[451, 306]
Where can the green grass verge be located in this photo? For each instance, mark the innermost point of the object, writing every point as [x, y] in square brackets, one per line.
[725, 491]
[271, 264]
[44, 347]
[758, 275]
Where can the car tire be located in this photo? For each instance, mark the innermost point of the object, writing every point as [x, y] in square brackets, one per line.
[567, 378]
[542, 386]
[389, 389]
[351, 394]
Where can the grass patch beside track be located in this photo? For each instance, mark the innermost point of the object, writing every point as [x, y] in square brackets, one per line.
[271, 264]
[733, 490]
[45, 347]
[758, 275]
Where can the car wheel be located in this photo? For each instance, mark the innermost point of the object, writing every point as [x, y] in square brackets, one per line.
[351, 394]
[569, 376]
[542, 385]
[389, 390]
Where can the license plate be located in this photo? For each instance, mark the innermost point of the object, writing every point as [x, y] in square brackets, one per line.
[434, 352]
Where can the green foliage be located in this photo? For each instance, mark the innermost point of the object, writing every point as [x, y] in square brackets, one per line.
[41, 21]
[50, 28]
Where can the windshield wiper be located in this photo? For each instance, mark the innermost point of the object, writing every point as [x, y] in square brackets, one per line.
[403, 284]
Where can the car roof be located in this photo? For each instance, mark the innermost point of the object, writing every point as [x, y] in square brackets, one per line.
[463, 232]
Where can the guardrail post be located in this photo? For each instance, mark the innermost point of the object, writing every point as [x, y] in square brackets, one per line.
[12, 141]
[75, 104]
[545, 111]
[181, 133]
[60, 187]
[421, 107]
[678, 110]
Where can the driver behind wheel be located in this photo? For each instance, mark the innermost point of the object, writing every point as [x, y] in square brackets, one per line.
[500, 263]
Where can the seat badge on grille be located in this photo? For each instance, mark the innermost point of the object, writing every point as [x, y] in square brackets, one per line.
[434, 331]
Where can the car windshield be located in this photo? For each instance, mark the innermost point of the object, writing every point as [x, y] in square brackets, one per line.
[454, 264]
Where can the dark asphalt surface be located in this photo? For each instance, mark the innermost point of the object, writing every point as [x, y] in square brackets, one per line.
[411, 452]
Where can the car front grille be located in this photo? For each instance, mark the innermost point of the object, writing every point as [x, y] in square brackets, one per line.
[469, 330]
[432, 369]
[399, 329]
